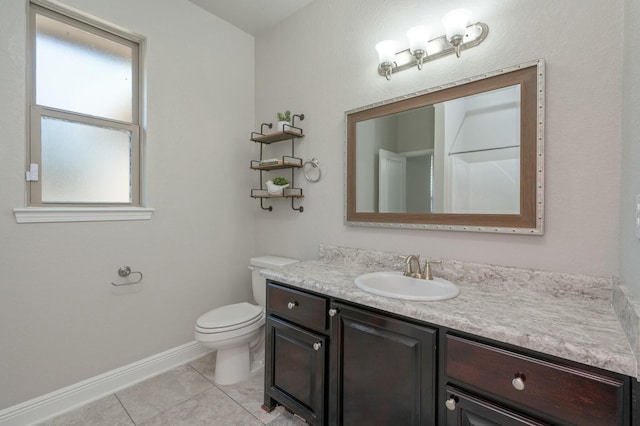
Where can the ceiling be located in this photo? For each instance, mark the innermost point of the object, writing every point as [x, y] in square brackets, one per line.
[252, 16]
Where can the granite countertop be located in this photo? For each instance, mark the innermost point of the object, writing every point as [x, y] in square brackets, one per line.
[564, 315]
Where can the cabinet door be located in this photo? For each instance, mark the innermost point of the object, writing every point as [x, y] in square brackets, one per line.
[465, 410]
[382, 370]
[295, 369]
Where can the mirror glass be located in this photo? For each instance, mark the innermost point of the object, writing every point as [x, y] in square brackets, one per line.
[464, 157]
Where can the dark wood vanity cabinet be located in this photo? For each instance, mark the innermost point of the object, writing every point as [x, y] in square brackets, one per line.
[469, 410]
[333, 363]
[296, 352]
[383, 369]
[523, 388]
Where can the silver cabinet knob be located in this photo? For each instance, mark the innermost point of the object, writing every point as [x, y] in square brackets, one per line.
[333, 312]
[450, 404]
[317, 346]
[292, 305]
[518, 383]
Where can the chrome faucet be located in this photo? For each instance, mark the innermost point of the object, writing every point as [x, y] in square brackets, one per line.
[413, 270]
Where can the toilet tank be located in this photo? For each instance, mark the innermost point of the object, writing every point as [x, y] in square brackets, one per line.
[258, 282]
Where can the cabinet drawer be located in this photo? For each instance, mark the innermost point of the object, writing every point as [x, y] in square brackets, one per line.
[302, 308]
[564, 394]
[466, 409]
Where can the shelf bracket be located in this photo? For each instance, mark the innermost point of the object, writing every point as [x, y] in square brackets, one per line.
[293, 120]
[270, 208]
[269, 125]
[300, 209]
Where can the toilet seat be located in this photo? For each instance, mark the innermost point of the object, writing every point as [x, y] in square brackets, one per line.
[229, 318]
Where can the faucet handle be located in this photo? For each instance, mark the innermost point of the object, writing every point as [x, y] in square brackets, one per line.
[427, 268]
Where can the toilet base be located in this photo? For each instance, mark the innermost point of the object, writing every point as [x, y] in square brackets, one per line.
[256, 354]
[232, 365]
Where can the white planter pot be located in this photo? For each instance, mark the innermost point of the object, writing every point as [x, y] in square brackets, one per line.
[280, 126]
[274, 189]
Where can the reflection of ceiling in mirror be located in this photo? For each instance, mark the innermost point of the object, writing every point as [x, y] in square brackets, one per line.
[486, 121]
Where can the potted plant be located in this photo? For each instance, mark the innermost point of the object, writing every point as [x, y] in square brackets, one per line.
[277, 185]
[283, 118]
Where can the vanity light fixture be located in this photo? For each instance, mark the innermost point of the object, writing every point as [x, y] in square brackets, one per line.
[386, 55]
[458, 36]
[418, 40]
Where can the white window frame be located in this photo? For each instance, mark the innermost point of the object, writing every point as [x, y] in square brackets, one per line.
[38, 211]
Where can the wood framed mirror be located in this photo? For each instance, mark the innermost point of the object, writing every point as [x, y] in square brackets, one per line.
[465, 156]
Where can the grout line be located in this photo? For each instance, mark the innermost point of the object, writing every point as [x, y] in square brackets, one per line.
[213, 385]
[124, 408]
[206, 390]
[229, 396]
[173, 406]
[243, 407]
[201, 374]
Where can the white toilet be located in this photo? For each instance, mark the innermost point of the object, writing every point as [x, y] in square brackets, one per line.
[236, 331]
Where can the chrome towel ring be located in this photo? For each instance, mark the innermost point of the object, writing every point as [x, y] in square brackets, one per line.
[311, 170]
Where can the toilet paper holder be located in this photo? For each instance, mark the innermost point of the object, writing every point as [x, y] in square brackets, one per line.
[125, 271]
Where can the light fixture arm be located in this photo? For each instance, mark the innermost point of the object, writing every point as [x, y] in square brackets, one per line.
[404, 59]
[456, 42]
[386, 69]
[419, 55]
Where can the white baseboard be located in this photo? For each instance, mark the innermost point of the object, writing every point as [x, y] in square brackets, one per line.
[78, 394]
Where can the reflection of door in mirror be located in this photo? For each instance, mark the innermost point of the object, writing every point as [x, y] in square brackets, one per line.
[395, 162]
[392, 182]
[405, 181]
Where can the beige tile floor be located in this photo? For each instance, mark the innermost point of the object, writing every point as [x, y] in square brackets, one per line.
[185, 396]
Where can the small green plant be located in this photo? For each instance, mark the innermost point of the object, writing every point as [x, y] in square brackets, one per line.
[280, 181]
[286, 116]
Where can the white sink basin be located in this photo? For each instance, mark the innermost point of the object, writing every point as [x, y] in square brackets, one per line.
[397, 286]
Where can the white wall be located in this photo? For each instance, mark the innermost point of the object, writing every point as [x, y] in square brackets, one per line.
[60, 319]
[325, 58]
[629, 244]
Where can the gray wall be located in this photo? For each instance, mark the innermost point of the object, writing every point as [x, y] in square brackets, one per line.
[61, 321]
[629, 244]
[329, 64]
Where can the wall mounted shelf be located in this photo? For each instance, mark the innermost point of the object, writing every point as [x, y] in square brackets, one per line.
[291, 162]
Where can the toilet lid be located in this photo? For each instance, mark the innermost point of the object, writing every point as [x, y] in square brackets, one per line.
[230, 317]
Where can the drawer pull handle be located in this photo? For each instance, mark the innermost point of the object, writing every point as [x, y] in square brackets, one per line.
[451, 404]
[333, 312]
[292, 305]
[317, 346]
[518, 383]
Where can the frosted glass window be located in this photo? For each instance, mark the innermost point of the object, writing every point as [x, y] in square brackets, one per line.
[80, 71]
[85, 164]
[85, 107]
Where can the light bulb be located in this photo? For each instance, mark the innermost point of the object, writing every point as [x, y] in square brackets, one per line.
[387, 51]
[455, 23]
[418, 38]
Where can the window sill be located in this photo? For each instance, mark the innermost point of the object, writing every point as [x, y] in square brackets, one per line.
[81, 214]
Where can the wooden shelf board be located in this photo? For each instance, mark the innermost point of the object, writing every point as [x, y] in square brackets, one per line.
[277, 166]
[277, 196]
[277, 137]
